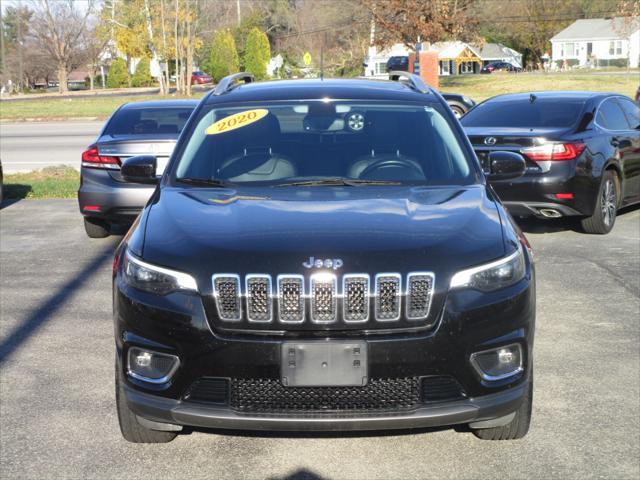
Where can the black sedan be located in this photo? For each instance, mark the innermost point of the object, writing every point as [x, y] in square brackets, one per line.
[500, 67]
[459, 104]
[582, 151]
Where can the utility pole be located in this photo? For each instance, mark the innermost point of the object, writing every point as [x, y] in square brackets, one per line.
[20, 66]
[3, 65]
[238, 11]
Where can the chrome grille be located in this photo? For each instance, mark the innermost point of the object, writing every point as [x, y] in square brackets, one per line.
[420, 290]
[258, 293]
[291, 298]
[355, 291]
[329, 299]
[388, 291]
[324, 308]
[226, 291]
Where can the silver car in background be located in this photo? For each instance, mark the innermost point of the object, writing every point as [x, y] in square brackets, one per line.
[138, 128]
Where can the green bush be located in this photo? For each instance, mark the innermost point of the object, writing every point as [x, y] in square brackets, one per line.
[223, 56]
[257, 54]
[142, 76]
[117, 76]
[571, 62]
[613, 62]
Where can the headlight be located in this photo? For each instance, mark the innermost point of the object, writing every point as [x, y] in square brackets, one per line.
[154, 279]
[492, 276]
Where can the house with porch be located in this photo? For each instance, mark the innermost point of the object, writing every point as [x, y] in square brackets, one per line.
[598, 42]
[457, 58]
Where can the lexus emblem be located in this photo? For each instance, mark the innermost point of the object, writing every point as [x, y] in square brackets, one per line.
[490, 141]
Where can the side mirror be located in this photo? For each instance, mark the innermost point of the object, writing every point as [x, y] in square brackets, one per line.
[140, 169]
[506, 165]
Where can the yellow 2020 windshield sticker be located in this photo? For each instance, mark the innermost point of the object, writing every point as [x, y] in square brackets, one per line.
[237, 120]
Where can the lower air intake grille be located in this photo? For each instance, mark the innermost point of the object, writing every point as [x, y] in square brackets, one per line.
[441, 388]
[209, 390]
[269, 396]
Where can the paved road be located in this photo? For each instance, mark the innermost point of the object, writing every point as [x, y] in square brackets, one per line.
[31, 146]
[57, 416]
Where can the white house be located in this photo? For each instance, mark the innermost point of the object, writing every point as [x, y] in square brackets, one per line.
[598, 42]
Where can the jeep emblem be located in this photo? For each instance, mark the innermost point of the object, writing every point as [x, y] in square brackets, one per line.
[313, 262]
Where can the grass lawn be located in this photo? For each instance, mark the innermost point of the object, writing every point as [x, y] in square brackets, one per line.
[50, 182]
[100, 106]
[480, 87]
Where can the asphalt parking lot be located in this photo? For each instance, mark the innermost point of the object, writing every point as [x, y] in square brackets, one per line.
[57, 411]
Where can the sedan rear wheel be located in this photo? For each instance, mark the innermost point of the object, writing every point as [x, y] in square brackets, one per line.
[604, 214]
[96, 228]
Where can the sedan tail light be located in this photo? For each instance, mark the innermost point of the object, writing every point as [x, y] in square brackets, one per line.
[92, 159]
[554, 151]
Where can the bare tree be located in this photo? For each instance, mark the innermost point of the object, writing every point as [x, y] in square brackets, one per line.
[58, 27]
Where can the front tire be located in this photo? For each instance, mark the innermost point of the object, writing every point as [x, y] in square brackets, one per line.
[131, 430]
[96, 228]
[604, 214]
[457, 111]
[516, 428]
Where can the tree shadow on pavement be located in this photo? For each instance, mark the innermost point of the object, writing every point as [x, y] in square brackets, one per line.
[47, 309]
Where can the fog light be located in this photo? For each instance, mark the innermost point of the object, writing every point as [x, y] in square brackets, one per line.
[498, 363]
[149, 366]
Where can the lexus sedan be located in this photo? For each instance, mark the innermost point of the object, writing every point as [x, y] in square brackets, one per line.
[582, 151]
[135, 128]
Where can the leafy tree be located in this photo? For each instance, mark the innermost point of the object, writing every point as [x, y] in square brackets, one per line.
[117, 77]
[257, 54]
[142, 77]
[130, 32]
[223, 56]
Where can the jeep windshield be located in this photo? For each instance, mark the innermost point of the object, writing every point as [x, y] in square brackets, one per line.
[316, 143]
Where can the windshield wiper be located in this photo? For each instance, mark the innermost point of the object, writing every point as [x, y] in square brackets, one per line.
[347, 182]
[208, 182]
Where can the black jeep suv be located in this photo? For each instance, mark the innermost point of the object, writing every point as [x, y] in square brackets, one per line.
[323, 255]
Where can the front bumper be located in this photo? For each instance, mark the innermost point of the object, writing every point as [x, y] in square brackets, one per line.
[177, 412]
[117, 201]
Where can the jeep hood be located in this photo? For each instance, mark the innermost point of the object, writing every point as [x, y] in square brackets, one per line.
[275, 230]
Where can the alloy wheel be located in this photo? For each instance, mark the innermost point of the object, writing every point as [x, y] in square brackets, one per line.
[608, 202]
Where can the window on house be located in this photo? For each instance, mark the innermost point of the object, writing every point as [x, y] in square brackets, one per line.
[615, 47]
[569, 50]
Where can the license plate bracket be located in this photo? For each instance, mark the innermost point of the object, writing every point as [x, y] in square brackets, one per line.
[324, 364]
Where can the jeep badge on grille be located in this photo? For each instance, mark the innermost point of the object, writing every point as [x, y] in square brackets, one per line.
[313, 262]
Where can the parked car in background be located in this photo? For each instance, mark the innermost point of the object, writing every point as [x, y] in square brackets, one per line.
[582, 151]
[200, 78]
[138, 128]
[460, 104]
[398, 63]
[500, 67]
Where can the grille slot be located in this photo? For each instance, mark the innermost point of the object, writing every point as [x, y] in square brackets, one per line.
[388, 292]
[324, 308]
[258, 293]
[291, 298]
[441, 388]
[226, 290]
[355, 291]
[267, 395]
[419, 293]
[209, 390]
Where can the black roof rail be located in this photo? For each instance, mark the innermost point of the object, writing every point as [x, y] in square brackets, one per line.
[411, 79]
[228, 82]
